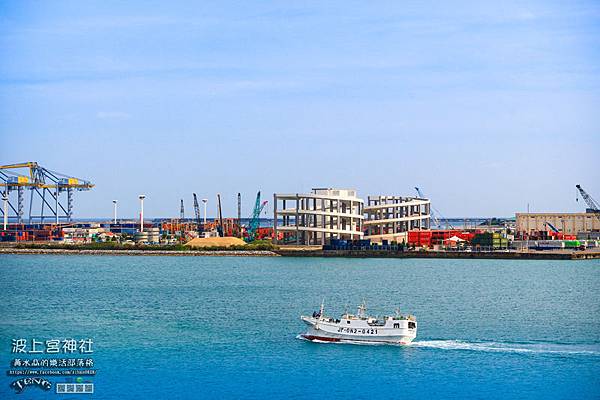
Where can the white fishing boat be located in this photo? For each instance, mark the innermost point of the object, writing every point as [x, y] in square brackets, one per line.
[397, 329]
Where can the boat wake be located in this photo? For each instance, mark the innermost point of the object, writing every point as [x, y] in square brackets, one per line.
[487, 346]
[504, 347]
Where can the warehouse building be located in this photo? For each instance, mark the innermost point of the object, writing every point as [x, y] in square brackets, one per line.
[391, 217]
[317, 217]
[567, 223]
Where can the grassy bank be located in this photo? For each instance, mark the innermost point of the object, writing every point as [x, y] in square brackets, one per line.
[257, 245]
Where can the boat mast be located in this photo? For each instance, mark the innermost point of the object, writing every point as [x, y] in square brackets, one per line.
[361, 309]
[322, 307]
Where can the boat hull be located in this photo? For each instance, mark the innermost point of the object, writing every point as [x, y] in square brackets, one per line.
[400, 340]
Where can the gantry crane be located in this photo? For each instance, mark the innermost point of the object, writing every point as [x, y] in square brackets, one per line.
[255, 219]
[44, 184]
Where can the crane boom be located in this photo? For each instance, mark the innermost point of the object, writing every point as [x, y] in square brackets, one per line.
[255, 219]
[592, 204]
[434, 212]
[552, 227]
[220, 227]
[197, 212]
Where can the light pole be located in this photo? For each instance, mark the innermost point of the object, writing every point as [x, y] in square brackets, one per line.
[5, 199]
[204, 201]
[142, 197]
[115, 211]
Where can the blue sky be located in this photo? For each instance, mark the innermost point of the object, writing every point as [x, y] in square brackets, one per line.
[485, 106]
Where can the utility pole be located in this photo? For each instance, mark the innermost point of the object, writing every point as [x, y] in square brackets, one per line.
[527, 243]
[239, 217]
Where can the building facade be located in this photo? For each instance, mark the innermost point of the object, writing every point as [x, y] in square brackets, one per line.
[567, 223]
[391, 217]
[317, 217]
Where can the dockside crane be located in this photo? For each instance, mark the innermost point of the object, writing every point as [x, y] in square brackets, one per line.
[197, 212]
[593, 206]
[434, 212]
[44, 185]
[255, 219]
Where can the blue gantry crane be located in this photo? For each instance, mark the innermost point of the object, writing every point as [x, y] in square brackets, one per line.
[45, 186]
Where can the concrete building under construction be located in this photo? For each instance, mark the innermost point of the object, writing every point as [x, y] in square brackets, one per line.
[317, 217]
[391, 217]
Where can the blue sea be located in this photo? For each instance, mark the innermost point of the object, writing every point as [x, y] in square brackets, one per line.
[227, 327]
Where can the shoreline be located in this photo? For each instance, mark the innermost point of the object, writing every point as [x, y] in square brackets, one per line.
[510, 255]
[137, 252]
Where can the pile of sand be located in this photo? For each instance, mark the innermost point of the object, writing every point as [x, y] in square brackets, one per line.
[215, 241]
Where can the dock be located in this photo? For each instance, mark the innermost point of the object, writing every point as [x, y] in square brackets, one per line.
[498, 255]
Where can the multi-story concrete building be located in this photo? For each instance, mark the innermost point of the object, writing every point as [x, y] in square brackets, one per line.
[567, 223]
[391, 217]
[317, 217]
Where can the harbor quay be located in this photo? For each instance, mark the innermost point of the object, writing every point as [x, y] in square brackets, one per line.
[324, 221]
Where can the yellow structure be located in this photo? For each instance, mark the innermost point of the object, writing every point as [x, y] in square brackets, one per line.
[215, 242]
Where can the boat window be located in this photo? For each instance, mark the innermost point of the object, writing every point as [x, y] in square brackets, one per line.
[411, 325]
[348, 321]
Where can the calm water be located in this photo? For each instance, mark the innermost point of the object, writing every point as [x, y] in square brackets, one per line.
[192, 327]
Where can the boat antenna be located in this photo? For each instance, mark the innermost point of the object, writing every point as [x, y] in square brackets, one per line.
[362, 308]
[322, 307]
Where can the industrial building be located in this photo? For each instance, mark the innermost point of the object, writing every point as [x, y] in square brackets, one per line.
[567, 223]
[390, 218]
[317, 217]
